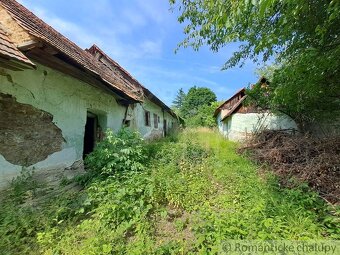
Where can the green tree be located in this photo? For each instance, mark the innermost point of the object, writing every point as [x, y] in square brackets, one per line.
[179, 100]
[302, 36]
[204, 116]
[305, 88]
[196, 98]
[264, 28]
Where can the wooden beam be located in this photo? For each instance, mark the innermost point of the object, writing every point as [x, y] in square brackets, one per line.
[25, 46]
[124, 102]
[50, 50]
[55, 63]
[12, 65]
[7, 66]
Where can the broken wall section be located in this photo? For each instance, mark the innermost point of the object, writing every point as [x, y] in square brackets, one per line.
[56, 106]
[27, 134]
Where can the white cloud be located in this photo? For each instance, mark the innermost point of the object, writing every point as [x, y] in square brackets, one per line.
[134, 18]
[171, 75]
[69, 29]
[151, 48]
[105, 37]
[154, 10]
[141, 35]
[213, 69]
[83, 38]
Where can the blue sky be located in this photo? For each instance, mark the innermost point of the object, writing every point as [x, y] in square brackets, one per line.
[141, 35]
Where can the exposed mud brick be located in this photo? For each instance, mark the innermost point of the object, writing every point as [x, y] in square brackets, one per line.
[16, 33]
[27, 134]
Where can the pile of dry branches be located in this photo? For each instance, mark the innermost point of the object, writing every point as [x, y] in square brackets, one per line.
[315, 161]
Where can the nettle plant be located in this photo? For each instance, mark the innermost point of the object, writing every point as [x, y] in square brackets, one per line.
[117, 153]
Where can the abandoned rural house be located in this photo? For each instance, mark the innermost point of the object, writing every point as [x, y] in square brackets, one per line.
[237, 121]
[56, 99]
[151, 116]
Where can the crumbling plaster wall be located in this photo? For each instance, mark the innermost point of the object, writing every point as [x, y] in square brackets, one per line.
[139, 122]
[17, 34]
[67, 100]
[27, 134]
[172, 122]
[240, 126]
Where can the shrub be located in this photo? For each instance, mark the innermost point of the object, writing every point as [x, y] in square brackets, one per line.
[204, 116]
[23, 186]
[119, 152]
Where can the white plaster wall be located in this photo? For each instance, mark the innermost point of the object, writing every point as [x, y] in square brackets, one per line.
[138, 123]
[148, 131]
[219, 123]
[68, 100]
[239, 126]
[172, 122]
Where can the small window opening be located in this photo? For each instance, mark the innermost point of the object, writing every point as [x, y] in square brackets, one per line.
[165, 128]
[155, 120]
[147, 118]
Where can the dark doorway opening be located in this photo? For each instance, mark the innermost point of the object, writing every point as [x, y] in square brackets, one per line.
[165, 128]
[90, 134]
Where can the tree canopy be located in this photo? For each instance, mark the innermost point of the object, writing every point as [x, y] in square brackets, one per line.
[196, 98]
[303, 38]
[179, 100]
[305, 88]
[265, 28]
[196, 107]
[204, 116]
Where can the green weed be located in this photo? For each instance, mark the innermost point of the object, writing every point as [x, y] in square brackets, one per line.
[196, 185]
[119, 152]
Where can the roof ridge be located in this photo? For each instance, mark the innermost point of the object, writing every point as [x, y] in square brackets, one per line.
[224, 102]
[114, 62]
[94, 47]
[38, 28]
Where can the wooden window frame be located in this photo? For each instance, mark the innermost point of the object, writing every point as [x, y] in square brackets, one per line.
[147, 118]
[155, 120]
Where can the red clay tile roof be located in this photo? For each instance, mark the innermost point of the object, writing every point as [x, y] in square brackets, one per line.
[128, 80]
[9, 51]
[128, 77]
[46, 33]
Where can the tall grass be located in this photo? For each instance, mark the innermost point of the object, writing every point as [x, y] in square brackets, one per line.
[195, 192]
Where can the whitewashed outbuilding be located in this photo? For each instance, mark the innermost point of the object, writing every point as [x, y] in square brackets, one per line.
[238, 122]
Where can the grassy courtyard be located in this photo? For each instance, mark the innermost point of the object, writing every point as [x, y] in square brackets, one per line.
[187, 194]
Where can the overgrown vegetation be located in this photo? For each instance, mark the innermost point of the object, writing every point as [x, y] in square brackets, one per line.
[305, 89]
[204, 116]
[301, 38]
[117, 153]
[192, 192]
[197, 107]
